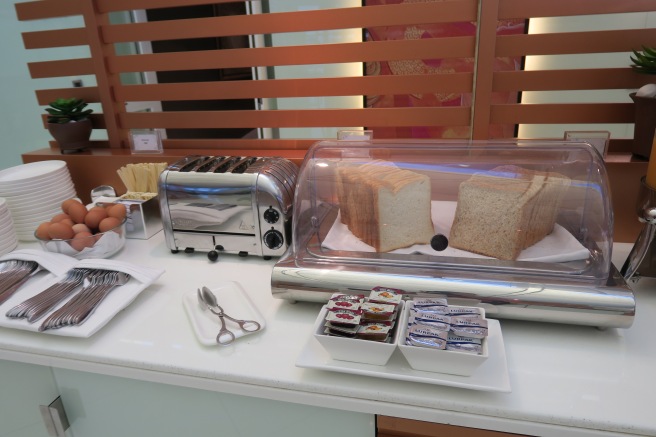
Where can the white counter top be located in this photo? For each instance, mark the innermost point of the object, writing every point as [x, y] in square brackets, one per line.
[566, 380]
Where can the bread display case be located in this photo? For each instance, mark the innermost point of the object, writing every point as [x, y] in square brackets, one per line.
[523, 229]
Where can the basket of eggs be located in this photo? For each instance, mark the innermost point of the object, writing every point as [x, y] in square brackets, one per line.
[97, 232]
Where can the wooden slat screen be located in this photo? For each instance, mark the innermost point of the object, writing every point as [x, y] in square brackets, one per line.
[107, 66]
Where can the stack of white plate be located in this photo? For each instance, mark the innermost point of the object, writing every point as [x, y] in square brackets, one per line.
[34, 193]
[8, 239]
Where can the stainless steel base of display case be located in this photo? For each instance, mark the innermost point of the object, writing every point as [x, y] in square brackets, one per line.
[610, 304]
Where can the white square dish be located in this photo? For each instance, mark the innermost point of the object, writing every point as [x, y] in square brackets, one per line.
[435, 360]
[354, 349]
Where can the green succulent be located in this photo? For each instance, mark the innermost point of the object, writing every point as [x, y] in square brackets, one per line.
[66, 110]
[645, 61]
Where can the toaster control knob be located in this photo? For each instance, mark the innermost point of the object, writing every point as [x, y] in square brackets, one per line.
[273, 239]
[271, 215]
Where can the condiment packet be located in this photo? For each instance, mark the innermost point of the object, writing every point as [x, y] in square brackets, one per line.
[392, 296]
[435, 320]
[434, 304]
[347, 297]
[377, 311]
[374, 331]
[464, 344]
[426, 336]
[473, 327]
[343, 304]
[344, 317]
[460, 311]
[340, 331]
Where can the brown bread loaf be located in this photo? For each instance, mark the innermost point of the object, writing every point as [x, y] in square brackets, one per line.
[501, 215]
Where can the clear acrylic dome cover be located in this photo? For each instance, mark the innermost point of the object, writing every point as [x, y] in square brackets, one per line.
[512, 209]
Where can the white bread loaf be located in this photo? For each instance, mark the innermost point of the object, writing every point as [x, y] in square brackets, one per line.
[386, 207]
[501, 215]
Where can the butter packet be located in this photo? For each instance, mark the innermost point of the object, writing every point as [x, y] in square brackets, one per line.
[472, 327]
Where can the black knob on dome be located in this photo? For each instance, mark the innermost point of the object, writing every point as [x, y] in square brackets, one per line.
[439, 242]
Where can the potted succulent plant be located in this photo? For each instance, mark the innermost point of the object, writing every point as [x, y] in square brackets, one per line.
[644, 62]
[69, 124]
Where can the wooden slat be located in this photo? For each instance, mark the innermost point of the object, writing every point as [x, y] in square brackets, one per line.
[39, 10]
[605, 41]
[510, 9]
[124, 5]
[565, 113]
[239, 143]
[66, 67]
[297, 21]
[446, 116]
[341, 86]
[485, 60]
[88, 94]
[297, 55]
[55, 38]
[583, 79]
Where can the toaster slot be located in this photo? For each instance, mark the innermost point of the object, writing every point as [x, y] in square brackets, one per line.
[194, 164]
[226, 164]
[209, 165]
[186, 162]
[242, 165]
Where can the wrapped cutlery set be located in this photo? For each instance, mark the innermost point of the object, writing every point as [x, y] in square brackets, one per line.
[57, 294]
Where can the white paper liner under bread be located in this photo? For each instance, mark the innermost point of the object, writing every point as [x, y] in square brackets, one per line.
[559, 246]
[119, 298]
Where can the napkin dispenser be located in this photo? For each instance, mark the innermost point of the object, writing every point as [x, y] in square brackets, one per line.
[563, 275]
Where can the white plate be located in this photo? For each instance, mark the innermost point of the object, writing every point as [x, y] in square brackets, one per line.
[235, 302]
[33, 171]
[22, 188]
[490, 376]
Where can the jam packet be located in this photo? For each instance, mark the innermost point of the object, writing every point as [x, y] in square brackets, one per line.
[377, 311]
[426, 336]
[340, 330]
[392, 296]
[374, 331]
[472, 327]
[342, 317]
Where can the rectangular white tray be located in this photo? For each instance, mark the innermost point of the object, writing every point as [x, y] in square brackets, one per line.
[490, 376]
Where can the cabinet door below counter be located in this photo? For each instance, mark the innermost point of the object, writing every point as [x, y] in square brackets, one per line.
[23, 387]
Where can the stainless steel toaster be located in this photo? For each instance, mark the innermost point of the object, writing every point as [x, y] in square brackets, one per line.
[231, 204]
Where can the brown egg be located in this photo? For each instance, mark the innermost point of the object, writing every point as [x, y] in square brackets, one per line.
[60, 231]
[108, 223]
[118, 210]
[60, 217]
[66, 204]
[93, 219]
[82, 240]
[80, 227]
[42, 231]
[77, 212]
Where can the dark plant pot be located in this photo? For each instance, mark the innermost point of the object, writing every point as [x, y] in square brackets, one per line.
[645, 125]
[73, 136]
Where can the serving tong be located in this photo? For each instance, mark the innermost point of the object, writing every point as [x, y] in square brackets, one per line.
[13, 274]
[208, 301]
